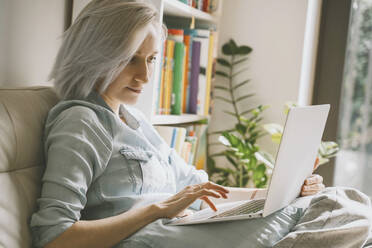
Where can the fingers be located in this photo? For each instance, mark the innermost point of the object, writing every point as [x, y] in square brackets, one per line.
[312, 191]
[316, 164]
[313, 179]
[212, 186]
[313, 187]
[209, 202]
[206, 192]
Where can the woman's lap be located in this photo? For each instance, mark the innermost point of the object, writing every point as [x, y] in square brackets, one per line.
[260, 232]
[283, 228]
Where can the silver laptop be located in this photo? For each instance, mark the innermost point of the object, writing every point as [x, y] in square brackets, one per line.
[294, 162]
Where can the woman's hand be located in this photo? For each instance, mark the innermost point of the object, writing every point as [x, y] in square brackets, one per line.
[177, 204]
[313, 184]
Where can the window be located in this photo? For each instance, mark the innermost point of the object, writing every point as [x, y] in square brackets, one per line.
[354, 162]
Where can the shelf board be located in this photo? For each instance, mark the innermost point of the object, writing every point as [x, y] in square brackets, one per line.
[176, 119]
[177, 8]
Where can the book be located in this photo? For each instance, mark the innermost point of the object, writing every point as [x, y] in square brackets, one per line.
[166, 133]
[188, 40]
[168, 77]
[194, 77]
[177, 83]
[201, 149]
[160, 90]
[203, 37]
[209, 74]
[179, 139]
[173, 136]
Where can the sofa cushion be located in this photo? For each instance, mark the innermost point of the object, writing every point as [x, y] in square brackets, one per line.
[22, 115]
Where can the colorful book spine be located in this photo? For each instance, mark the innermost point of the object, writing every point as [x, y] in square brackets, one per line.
[160, 91]
[180, 139]
[194, 77]
[203, 37]
[188, 40]
[168, 77]
[201, 150]
[179, 53]
[209, 74]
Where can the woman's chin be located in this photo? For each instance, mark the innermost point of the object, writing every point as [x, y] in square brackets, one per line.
[129, 100]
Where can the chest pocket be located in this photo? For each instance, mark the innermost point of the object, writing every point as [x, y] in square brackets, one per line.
[155, 176]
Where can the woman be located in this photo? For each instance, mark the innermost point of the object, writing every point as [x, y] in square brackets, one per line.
[108, 173]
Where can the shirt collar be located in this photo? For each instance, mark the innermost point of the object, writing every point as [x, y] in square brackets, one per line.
[131, 121]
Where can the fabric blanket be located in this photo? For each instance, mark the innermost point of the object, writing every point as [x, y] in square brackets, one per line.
[338, 217]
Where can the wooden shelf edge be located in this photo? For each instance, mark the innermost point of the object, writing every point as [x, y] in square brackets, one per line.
[177, 8]
[177, 119]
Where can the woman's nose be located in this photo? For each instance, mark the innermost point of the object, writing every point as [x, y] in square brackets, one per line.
[142, 74]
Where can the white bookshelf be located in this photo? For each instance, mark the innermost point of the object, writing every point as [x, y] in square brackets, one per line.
[177, 8]
[177, 119]
[146, 102]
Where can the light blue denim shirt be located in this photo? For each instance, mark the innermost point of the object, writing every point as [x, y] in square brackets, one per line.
[98, 166]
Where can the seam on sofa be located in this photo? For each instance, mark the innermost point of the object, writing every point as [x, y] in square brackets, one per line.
[32, 88]
[22, 190]
[16, 170]
[14, 132]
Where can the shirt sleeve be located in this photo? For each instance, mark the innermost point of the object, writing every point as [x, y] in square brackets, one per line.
[186, 175]
[77, 149]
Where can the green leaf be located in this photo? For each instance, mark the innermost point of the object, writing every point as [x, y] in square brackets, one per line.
[240, 60]
[267, 156]
[229, 113]
[233, 140]
[241, 84]
[244, 97]
[221, 88]
[230, 48]
[273, 128]
[240, 71]
[247, 111]
[223, 62]
[241, 128]
[328, 149]
[217, 154]
[211, 164]
[276, 138]
[221, 131]
[224, 140]
[223, 99]
[244, 50]
[231, 160]
[222, 74]
[289, 105]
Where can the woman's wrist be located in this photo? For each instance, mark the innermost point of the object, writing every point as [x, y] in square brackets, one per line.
[154, 211]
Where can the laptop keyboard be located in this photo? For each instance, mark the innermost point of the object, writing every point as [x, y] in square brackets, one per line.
[248, 208]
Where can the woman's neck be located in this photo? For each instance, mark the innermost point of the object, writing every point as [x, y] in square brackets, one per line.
[114, 105]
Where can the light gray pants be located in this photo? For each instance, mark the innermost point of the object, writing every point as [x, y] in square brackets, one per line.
[334, 218]
[337, 217]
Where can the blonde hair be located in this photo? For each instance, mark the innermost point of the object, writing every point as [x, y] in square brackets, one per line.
[100, 43]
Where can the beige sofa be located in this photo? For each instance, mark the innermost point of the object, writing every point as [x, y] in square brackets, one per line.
[22, 115]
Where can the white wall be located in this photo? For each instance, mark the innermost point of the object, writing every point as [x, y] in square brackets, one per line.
[275, 30]
[4, 7]
[30, 40]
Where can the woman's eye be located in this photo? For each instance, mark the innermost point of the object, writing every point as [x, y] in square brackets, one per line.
[153, 59]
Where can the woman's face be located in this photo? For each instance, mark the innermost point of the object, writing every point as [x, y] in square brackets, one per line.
[127, 87]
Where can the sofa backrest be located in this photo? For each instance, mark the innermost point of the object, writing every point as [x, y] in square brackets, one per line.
[22, 115]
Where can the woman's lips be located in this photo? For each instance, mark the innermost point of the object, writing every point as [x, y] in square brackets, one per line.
[135, 90]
